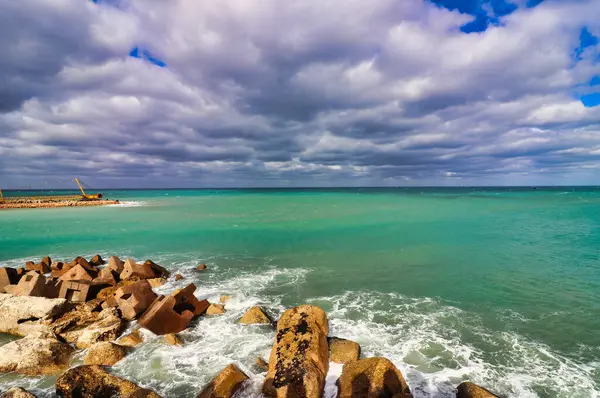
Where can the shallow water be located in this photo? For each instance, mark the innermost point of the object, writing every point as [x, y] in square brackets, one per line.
[497, 286]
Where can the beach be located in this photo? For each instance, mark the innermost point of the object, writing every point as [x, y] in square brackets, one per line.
[45, 202]
[493, 286]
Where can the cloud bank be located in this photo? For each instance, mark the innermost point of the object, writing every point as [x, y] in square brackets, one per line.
[148, 93]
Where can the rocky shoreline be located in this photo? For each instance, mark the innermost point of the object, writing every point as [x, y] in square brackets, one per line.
[37, 203]
[60, 309]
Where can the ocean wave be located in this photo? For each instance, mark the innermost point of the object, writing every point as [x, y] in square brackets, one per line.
[129, 203]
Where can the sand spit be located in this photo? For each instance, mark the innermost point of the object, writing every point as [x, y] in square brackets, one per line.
[51, 201]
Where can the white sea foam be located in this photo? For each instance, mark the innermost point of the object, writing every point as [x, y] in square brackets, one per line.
[129, 203]
[436, 346]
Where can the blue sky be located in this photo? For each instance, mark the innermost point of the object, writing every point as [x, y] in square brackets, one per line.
[132, 93]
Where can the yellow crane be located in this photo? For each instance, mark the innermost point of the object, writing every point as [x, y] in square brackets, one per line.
[85, 196]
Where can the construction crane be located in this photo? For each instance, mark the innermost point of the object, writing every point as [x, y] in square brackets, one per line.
[85, 196]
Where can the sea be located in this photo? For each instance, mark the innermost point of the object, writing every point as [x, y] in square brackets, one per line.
[498, 286]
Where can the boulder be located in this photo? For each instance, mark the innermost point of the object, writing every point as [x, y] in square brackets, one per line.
[84, 263]
[172, 339]
[80, 290]
[17, 392]
[115, 264]
[110, 291]
[185, 299]
[8, 276]
[159, 271]
[215, 309]
[39, 268]
[163, 317]
[134, 299]
[97, 260]
[299, 358]
[56, 265]
[94, 381]
[224, 299]
[38, 354]
[226, 384]
[372, 378]
[22, 315]
[52, 288]
[342, 350]
[261, 365]
[256, 315]
[104, 353]
[141, 271]
[107, 276]
[84, 327]
[31, 284]
[132, 339]
[471, 390]
[79, 273]
[178, 277]
[201, 267]
[157, 282]
[46, 261]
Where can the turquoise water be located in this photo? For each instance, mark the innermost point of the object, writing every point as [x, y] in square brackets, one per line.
[499, 286]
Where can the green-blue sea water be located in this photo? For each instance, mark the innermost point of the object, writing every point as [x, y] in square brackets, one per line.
[499, 286]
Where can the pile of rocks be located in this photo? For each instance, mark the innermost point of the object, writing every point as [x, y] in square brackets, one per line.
[80, 305]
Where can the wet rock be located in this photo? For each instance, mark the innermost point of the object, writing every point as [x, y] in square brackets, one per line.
[256, 315]
[185, 299]
[84, 327]
[17, 392]
[261, 365]
[23, 315]
[79, 273]
[134, 299]
[132, 339]
[164, 317]
[471, 390]
[299, 358]
[141, 271]
[156, 282]
[226, 384]
[224, 299]
[372, 378]
[107, 328]
[94, 381]
[201, 267]
[342, 350]
[8, 276]
[38, 354]
[159, 271]
[104, 353]
[215, 309]
[97, 260]
[172, 339]
[178, 277]
[115, 264]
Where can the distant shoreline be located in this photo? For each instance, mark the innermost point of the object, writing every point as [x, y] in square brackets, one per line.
[50, 202]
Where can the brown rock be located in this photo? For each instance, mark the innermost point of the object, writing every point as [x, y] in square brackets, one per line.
[31, 284]
[110, 302]
[78, 273]
[300, 357]
[141, 271]
[172, 339]
[164, 317]
[342, 350]
[159, 271]
[107, 276]
[372, 378]
[83, 262]
[8, 276]
[85, 327]
[134, 299]
[201, 267]
[115, 264]
[94, 381]
[178, 277]
[156, 282]
[46, 261]
[56, 265]
[132, 339]
[225, 299]
[226, 384]
[38, 354]
[471, 390]
[77, 291]
[17, 392]
[256, 315]
[186, 300]
[215, 309]
[104, 353]
[110, 291]
[97, 260]
[40, 268]
[107, 328]
[261, 364]
[52, 288]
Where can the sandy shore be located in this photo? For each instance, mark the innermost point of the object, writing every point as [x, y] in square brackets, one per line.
[37, 203]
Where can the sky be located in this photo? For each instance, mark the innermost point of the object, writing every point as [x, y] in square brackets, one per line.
[276, 93]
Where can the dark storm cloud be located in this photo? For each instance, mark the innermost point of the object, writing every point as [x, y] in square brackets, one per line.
[316, 92]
